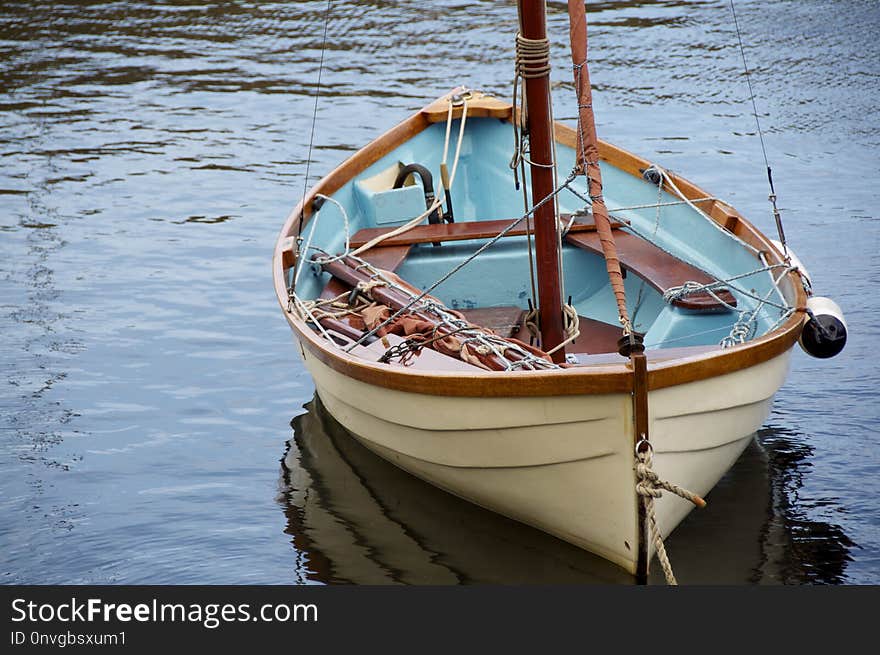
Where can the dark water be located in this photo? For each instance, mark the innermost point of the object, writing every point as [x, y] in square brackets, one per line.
[150, 152]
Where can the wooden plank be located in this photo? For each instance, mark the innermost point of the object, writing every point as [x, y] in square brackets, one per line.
[658, 268]
[595, 337]
[480, 105]
[287, 247]
[464, 231]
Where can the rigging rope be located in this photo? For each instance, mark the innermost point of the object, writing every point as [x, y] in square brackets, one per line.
[572, 327]
[438, 202]
[772, 196]
[587, 162]
[518, 166]
[466, 261]
[314, 118]
[532, 60]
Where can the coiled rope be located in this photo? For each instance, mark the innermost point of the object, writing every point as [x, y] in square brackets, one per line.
[572, 327]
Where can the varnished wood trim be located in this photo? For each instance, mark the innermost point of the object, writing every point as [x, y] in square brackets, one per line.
[612, 378]
[287, 254]
[334, 181]
[464, 231]
[480, 105]
[657, 267]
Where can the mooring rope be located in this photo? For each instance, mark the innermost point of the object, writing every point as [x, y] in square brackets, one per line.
[649, 486]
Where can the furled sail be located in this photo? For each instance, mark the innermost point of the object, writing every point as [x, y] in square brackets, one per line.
[587, 162]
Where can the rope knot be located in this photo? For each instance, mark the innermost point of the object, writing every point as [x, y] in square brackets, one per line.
[649, 486]
[367, 285]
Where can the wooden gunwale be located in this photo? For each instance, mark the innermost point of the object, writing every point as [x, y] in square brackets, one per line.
[611, 378]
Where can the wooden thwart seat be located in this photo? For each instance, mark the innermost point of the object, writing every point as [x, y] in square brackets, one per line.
[657, 267]
[441, 232]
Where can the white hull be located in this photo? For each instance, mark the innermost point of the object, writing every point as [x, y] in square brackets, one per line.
[563, 464]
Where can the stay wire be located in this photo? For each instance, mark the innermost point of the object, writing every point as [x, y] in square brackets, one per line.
[742, 51]
[302, 211]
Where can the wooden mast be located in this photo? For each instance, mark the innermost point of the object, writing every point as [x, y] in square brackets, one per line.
[536, 74]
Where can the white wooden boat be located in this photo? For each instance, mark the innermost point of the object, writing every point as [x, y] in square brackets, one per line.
[420, 339]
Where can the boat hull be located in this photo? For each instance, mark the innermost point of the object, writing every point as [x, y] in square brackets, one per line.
[562, 464]
[552, 448]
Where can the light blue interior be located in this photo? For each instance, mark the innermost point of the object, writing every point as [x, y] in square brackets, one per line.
[484, 189]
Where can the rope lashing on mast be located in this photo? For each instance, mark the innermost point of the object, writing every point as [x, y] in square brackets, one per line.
[649, 487]
[532, 59]
[572, 327]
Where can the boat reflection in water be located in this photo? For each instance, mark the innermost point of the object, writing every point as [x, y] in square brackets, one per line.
[355, 518]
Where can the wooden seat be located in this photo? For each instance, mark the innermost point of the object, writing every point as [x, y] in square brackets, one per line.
[438, 233]
[657, 267]
[595, 337]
